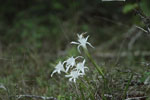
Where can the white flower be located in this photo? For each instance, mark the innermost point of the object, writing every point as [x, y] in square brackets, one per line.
[70, 62]
[82, 42]
[74, 75]
[59, 67]
[80, 67]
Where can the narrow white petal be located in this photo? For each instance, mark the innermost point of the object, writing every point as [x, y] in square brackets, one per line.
[86, 67]
[67, 75]
[74, 80]
[70, 79]
[79, 57]
[64, 62]
[67, 68]
[83, 61]
[87, 38]
[59, 71]
[79, 48]
[90, 44]
[53, 73]
[74, 42]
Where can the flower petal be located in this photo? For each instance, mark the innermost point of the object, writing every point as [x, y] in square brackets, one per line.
[74, 42]
[53, 73]
[90, 44]
[87, 38]
[67, 68]
[70, 79]
[79, 48]
[79, 57]
[74, 80]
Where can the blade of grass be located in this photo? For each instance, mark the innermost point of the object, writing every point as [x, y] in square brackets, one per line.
[81, 91]
[127, 87]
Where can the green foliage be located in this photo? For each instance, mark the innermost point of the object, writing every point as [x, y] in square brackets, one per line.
[145, 76]
[39, 21]
[145, 7]
[129, 7]
[72, 52]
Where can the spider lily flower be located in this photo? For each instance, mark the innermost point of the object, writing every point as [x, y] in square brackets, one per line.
[70, 62]
[82, 42]
[59, 67]
[74, 75]
[80, 67]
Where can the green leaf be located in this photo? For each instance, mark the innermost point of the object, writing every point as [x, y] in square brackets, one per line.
[145, 7]
[129, 7]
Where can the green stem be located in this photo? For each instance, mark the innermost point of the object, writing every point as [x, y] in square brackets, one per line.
[97, 68]
[127, 86]
[94, 63]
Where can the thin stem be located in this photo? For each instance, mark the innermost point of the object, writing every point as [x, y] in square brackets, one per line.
[98, 69]
[94, 63]
[127, 87]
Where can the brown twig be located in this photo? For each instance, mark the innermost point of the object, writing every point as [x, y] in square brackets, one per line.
[122, 54]
[34, 96]
[137, 98]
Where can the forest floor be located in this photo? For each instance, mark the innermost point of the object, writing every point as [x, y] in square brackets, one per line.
[25, 74]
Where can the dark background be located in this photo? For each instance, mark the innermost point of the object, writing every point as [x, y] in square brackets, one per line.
[36, 34]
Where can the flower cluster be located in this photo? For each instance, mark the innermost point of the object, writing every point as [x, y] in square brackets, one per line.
[73, 69]
[71, 66]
